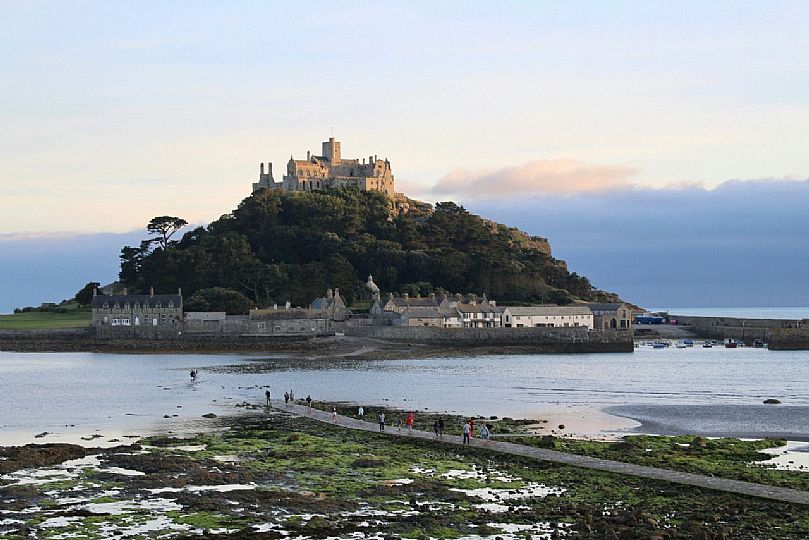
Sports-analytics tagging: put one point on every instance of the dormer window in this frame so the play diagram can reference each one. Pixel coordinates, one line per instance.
(171, 305)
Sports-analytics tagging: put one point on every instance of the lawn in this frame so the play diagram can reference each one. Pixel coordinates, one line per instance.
(44, 320)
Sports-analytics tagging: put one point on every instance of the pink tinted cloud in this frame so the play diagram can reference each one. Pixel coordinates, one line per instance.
(544, 176)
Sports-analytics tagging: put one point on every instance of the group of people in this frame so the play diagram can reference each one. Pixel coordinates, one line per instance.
(485, 431)
(289, 397)
(469, 431)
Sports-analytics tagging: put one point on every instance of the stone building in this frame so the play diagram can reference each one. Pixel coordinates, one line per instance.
(547, 317)
(330, 170)
(324, 315)
(615, 316)
(137, 315)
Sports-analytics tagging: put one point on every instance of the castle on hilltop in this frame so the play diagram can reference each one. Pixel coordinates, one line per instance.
(330, 170)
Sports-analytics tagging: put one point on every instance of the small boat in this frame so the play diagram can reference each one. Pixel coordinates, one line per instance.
(688, 342)
(681, 344)
(759, 343)
(730, 343)
(659, 345)
(707, 344)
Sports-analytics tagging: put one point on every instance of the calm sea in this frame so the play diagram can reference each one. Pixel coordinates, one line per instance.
(749, 313)
(696, 390)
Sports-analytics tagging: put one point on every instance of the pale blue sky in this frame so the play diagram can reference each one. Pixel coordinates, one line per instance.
(114, 112)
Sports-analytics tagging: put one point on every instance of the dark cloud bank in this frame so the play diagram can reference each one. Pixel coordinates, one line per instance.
(52, 267)
(743, 244)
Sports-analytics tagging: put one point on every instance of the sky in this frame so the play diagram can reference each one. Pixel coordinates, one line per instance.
(646, 123)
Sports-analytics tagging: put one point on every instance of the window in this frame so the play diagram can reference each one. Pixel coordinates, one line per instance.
(116, 321)
(125, 321)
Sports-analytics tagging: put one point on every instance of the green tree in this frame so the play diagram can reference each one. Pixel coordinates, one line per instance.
(220, 299)
(85, 296)
(164, 227)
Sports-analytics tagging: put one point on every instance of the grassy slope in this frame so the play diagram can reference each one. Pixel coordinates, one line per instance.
(44, 320)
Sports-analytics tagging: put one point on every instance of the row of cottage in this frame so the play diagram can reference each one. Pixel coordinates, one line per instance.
(160, 315)
(470, 312)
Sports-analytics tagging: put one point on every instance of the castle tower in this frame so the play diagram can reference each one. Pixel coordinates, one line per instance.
(331, 150)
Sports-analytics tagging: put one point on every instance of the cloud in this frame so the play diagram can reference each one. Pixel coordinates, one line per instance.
(743, 243)
(540, 177)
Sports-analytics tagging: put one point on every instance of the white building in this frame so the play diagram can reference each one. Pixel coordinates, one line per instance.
(547, 316)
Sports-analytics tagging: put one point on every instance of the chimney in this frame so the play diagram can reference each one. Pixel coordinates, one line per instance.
(180, 292)
(151, 292)
(125, 292)
(275, 306)
(336, 292)
(95, 292)
(329, 294)
(262, 169)
(405, 296)
(308, 155)
(288, 305)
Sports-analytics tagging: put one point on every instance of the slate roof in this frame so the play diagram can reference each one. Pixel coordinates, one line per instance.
(478, 308)
(604, 307)
(521, 311)
(149, 301)
(424, 313)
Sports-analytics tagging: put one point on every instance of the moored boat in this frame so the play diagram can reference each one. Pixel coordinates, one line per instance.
(730, 343)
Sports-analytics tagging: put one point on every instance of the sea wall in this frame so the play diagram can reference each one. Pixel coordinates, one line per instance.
(789, 339)
(506, 340)
(734, 322)
(85, 340)
(781, 334)
(568, 339)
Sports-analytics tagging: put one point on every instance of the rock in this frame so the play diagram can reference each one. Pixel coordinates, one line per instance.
(772, 401)
(209, 415)
(561, 426)
(698, 442)
(166, 416)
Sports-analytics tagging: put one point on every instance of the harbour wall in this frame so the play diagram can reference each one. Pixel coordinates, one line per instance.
(553, 339)
(506, 340)
(780, 334)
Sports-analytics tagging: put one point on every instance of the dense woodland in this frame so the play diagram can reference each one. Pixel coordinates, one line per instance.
(278, 246)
